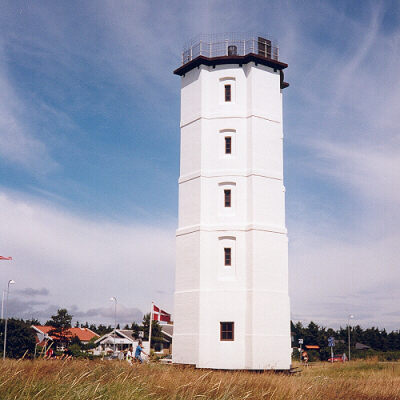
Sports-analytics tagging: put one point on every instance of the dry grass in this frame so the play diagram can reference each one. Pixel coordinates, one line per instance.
(115, 380)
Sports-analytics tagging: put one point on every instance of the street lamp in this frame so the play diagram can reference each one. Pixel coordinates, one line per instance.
(114, 299)
(2, 304)
(10, 282)
(2, 299)
(351, 316)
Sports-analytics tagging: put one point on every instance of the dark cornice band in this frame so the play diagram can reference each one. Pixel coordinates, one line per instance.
(251, 57)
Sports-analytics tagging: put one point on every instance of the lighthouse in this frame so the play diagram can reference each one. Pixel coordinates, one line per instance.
(231, 298)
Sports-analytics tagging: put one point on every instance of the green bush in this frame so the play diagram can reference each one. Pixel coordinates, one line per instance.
(21, 338)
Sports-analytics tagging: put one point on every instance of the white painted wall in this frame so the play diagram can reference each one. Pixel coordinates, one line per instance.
(253, 291)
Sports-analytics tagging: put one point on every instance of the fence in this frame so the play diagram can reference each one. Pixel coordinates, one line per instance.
(230, 45)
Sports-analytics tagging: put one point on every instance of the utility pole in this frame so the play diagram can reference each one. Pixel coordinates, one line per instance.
(114, 299)
(10, 282)
(151, 322)
(348, 332)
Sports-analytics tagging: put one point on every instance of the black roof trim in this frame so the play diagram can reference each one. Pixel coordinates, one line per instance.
(201, 60)
(229, 60)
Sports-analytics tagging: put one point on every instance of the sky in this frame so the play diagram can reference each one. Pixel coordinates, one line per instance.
(89, 153)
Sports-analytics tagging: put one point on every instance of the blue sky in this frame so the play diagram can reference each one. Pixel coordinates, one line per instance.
(89, 152)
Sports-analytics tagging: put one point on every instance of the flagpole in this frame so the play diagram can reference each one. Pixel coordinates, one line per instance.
(151, 321)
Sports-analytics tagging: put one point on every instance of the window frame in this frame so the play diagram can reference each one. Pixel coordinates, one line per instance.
(223, 332)
(228, 92)
(228, 256)
(227, 198)
(228, 144)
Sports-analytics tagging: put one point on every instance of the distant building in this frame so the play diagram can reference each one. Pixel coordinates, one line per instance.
(43, 336)
(124, 338)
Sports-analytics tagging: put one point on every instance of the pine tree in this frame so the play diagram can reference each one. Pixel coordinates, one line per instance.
(156, 335)
(61, 322)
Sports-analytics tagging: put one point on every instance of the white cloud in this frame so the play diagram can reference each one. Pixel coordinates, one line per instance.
(84, 262)
(32, 292)
(125, 315)
(369, 172)
(331, 277)
(17, 143)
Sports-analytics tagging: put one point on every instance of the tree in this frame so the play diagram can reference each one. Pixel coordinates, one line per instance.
(377, 339)
(61, 322)
(75, 340)
(156, 335)
(90, 345)
(21, 338)
(33, 321)
(102, 329)
(136, 329)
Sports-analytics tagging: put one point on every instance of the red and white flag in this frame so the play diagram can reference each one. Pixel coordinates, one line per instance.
(5, 258)
(160, 315)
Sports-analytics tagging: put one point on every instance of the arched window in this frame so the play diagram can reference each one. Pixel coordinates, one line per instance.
(227, 142)
(227, 257)
(226, 198)
(227, 90)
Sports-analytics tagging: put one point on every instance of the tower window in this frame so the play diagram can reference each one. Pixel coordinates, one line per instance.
(227, 331)
(228, 95)
(227, 197)
(228, 145)
(228, 256)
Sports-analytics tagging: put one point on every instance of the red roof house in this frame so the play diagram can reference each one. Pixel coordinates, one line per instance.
(85, 335)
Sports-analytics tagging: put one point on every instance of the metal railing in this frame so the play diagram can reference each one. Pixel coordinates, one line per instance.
(230, 44)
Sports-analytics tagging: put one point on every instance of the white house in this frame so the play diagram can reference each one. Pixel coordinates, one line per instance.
(123, 339)
(231, 292)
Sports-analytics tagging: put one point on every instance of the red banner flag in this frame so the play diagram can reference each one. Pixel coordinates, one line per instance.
(160, 315)
(5, 258)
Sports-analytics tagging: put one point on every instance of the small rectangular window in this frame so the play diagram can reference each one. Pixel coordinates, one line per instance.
(227, 92)
(227, 331)
(228, 256)
(227, 197)
(228, 145)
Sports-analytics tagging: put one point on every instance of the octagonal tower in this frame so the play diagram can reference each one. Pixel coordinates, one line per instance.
(231, 294)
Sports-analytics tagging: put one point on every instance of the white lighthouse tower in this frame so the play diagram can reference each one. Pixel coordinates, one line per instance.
(231, 296)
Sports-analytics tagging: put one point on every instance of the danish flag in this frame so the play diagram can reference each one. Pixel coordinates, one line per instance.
(160, 315)
(5, 258)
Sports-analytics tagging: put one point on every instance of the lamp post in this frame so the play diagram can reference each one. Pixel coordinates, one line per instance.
(2, 299)
(351, 316)
(114, 299)
(2, 304)
(10, 282)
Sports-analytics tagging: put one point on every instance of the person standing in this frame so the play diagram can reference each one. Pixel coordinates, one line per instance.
(305, 358)
(129, 355)
(138, 352)
(49, 354)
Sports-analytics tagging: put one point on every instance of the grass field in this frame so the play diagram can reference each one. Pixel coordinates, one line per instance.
(116, 380)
